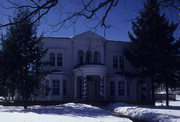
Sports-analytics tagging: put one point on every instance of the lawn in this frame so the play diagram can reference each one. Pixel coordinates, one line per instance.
(70, 112)
(148, 113)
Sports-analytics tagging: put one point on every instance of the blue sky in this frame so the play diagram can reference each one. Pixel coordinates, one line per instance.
(119, 18)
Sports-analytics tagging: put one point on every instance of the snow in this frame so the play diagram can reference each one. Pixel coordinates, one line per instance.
(178, 97)
(171, 103)
(148, 113)
(175, 103)
(70, 112)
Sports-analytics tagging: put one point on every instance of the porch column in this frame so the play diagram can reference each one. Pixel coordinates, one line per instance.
(101, 89)
(84, 90)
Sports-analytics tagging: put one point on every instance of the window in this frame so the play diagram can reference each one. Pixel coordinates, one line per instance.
(121, 88)
(47, 83)
(52, 59)
(55, 87)
(80, 89)
(127, 88)
(64, 88)
(112, 88)
(59, 59)
(47, 87)
(121, 62)
(115, 62)
(96, 57)
(88, 57)
(80, 57)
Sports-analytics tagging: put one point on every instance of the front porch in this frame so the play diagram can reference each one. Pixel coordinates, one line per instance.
(89, 83)
(90, 88)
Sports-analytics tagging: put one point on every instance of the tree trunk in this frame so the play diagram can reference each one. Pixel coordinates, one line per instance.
(153, 92)
(25, 102)
(167, 95)
(12, 96)
(24, 99)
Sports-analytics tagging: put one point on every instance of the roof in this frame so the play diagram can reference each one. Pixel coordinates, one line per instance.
(89, 36)
(58, 37)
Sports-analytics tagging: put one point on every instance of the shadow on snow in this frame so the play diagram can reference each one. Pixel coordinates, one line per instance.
(68, 109)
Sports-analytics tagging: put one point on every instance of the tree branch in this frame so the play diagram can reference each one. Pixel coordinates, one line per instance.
(42, 7)
(88, 13)
(49, 4)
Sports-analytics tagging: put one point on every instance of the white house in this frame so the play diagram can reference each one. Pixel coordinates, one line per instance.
(88, 67)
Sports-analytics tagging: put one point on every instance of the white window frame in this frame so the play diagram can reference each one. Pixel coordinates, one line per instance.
(55, 87)
(112, 88)
(59, 59)
(52, 59)
(115, 62)
(121, 88)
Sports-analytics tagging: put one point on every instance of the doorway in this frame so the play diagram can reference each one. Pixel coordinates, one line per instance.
(93, 88)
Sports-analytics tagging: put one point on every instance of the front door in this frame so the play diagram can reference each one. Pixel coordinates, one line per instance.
(92, 88)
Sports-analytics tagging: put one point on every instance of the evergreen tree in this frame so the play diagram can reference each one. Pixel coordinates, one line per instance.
(22, 55)
(7, 68)
(178, 60)
(1, 80)
(152, 52)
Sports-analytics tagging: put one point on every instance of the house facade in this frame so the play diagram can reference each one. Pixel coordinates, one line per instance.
(88, 67)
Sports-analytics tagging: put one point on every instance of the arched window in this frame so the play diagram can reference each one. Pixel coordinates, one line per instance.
(80, 57)
(88, 57)
(96, 57)
(115, 62)
(59, 59)
(52, 59)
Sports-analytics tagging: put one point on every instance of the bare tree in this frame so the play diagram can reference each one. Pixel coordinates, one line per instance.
(41, 7)
(88, 9)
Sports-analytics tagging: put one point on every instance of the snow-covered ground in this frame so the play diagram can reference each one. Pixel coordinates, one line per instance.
(148, 113)
(177, 97)
(171, 103)
(175, 103)
(70, 112)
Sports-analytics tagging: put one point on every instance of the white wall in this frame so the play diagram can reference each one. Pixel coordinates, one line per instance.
(69, 47)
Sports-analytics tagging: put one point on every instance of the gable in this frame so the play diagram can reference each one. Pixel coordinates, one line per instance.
(89, 36)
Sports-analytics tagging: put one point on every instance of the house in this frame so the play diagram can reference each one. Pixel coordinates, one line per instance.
(88, 67)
